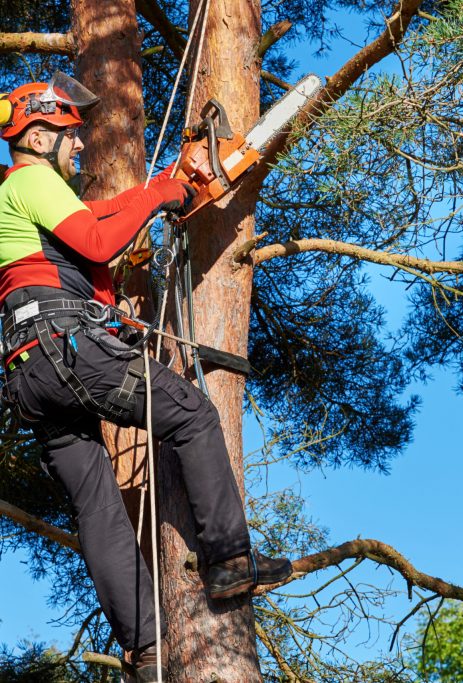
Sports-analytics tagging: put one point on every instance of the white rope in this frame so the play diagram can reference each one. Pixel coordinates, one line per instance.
(141, 511)
(196, 67)
(174, 92)
(154, 540)
(151, 472)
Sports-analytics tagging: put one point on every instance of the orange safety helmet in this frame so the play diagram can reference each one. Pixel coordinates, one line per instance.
(58, 102)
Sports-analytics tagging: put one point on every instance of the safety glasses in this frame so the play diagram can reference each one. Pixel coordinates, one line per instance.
(71, 133)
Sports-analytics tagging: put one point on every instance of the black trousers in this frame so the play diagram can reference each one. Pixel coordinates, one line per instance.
(180, 414)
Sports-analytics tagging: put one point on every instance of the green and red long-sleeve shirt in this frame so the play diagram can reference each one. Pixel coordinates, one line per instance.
(49, 237)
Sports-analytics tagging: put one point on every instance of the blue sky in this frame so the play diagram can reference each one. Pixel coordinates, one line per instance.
(415, 508)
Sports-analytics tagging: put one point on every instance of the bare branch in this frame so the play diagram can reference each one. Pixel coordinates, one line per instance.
(267, 76)
(275, 652)
(45, 43)
(40, 527)
(152, 12)
(377, 552)
(354, 251)
(108, 660)
(272, 35)
(337, 85)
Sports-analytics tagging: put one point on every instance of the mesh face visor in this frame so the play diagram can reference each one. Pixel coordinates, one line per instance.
(67, 90)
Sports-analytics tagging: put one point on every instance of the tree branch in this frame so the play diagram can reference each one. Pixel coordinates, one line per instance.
(276, 654)
(273, 35)
(108, 660)
(352, 250)
(45, 43)
(337, 85)
(30, 523)
(376, 551)
(150, 10)
(271, 78)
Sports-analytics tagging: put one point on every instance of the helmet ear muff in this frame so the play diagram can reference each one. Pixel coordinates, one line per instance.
(6, 110)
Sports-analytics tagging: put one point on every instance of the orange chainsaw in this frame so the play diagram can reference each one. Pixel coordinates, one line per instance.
(214, 159)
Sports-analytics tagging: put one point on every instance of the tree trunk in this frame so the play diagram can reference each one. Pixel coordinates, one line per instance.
(215, 641)
(207, 641)
(109, 63)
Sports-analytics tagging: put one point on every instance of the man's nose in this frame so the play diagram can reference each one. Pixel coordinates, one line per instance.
(78, 144)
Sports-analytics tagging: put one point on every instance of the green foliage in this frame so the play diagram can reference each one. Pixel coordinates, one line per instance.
(34, 664)
(437, 656)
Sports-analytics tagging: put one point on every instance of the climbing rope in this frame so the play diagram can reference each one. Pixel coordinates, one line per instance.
(177, 81)
(154, 540)
(160, 323)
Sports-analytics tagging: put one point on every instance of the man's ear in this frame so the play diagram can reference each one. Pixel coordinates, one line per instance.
(36, 140)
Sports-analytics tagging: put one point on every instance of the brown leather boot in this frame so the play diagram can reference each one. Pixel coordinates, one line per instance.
(144, 659)
(239, 574)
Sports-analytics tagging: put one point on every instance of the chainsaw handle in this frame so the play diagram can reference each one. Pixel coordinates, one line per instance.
(213, 150)
(223, 129)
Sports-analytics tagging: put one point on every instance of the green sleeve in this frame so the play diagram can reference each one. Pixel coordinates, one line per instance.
(44, 196)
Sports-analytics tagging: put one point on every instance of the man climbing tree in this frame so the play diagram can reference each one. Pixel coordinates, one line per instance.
(324, 368)
(53, 293)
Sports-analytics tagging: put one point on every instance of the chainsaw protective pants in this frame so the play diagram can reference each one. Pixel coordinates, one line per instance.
(180, 414)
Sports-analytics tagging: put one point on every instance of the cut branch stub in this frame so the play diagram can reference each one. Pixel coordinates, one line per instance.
(245, 249)
(43, 43)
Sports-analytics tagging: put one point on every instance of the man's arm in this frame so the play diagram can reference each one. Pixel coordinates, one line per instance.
(51, 204)
(108, 207)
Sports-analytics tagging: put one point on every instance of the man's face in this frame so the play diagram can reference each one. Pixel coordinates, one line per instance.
(43, 140)
(71, 146)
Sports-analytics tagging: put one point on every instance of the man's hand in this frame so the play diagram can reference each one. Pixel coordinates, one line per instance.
(164, 175)
(175, 194)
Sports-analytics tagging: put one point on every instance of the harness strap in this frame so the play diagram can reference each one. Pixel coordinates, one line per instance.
(52, 352)
(122, 397)
(23, 315)
(118, 403)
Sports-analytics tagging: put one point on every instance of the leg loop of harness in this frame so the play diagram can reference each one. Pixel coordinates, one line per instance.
(123, 398)
(118, 405)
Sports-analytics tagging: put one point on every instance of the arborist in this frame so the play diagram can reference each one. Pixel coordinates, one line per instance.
(64, 372)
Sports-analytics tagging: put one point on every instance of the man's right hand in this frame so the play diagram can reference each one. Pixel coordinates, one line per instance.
(175, 193)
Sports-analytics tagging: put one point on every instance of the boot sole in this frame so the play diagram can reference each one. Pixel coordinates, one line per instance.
(245, 585)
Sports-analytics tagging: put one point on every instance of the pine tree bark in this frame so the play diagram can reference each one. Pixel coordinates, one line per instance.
(215, 641)
(108, 62)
